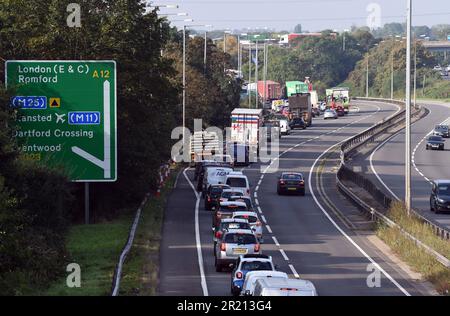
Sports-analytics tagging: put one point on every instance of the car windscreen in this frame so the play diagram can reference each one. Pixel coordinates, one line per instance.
(216, 190)
(237, 182)
(256, 266)
(251, 219)
(247, 202)
(228, 194)
(235, 225)
(435, 138)
(296, 177)
(233, 208)
(444, 189)
(241, 239)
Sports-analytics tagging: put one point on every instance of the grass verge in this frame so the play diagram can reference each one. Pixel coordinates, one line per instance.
(95, 248)
(416, 257)
(141, 269)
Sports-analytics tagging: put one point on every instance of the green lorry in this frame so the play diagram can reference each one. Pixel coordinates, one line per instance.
(296, 87)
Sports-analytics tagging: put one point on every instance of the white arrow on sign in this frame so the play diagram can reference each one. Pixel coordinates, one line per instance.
(105, 164)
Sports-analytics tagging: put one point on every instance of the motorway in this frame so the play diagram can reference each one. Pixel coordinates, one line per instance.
(386, 164)
(300, 233)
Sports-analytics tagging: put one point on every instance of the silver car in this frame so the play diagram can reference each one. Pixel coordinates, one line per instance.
(253, 220)
(233, 244)
(330, 113)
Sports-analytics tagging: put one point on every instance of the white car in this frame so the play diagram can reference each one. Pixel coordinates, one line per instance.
(238, 182)
(253, 220)
(330, 114)
(284, 287)
(253, 276)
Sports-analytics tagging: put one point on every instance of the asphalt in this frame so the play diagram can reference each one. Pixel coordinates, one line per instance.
(389, 163)
(300, 235)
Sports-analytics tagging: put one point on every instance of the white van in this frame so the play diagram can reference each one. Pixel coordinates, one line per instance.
(215, 175)
(251, 277)
(285, 129)
(238, 182)
(283, 287)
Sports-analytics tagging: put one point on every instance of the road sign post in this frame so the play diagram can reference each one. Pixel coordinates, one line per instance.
(67, 116)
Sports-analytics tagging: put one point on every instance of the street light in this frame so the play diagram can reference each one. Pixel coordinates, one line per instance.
(408, 109)
(184, 74)
(205, 48)
(343, 44)
(174, 14)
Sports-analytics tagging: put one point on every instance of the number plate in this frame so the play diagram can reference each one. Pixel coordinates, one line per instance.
(240, 251)
(292, 189)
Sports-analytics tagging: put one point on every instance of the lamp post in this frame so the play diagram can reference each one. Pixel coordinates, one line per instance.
(205, 48)
(343, 40)
(408, 110)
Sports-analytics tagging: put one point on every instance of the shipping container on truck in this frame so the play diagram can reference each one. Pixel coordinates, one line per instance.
(272, 90)
(245, 127)
(300, 106)
(295, 87)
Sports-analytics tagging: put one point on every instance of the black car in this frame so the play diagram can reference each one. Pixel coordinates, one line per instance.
(435, 142)
(212, 195)
(297, 122)
(440, 196)
(291, 182)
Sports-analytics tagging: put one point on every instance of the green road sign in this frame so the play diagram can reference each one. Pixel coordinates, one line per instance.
(67, 115)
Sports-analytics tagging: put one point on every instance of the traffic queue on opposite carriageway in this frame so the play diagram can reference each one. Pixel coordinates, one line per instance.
(238, 231)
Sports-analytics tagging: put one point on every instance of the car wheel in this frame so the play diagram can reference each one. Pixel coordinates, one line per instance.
(426, 147)
(431, 207)
(278, 192)
(302, 193)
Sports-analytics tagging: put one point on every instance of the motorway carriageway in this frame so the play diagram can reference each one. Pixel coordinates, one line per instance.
(299, 233)
(387, 163)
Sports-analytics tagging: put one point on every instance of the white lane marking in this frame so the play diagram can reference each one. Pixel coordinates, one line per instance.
(259, 210)
(264, 219)
(197, 238)
(284, 255)
(257, 188)
(341, 230)
(256, 202)
(269, 229)
(294, 272)
(275, 241)
(255, 195)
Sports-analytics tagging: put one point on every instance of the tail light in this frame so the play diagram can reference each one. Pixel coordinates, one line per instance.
(219, 235)
(281, 182)
(258, 223)
(239, 275)
(209, 199)
(248, 191)
(257, 247)
(221, 200)
(302, 182)
(223, 247)
(219, 215)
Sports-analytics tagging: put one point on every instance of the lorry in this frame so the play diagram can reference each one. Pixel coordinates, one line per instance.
(340, 96)
(203, 145)
(271, 91)
(295, 87)
(300, 106)
(245, 127)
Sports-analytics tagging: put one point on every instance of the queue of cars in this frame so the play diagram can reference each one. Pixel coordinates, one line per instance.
(238, 231)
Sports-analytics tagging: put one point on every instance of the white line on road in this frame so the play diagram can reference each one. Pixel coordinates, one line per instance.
(269, 229)
(341, 230)
(257, 202)
(197, 238)
(296, 275)
(264, 219)
(275, 241)
(284, 255)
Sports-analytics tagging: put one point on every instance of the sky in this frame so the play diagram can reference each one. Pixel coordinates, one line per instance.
(313, 15)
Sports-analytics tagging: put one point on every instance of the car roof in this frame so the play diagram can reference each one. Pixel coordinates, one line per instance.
(266, 273)
(234, 220)
(287, 283)
(231, 190)
(255, 256)
(296, 173)
(249, 213)
(237, 203)
(240, 197)
(442, 181)
(221, 185)
(240, 231)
